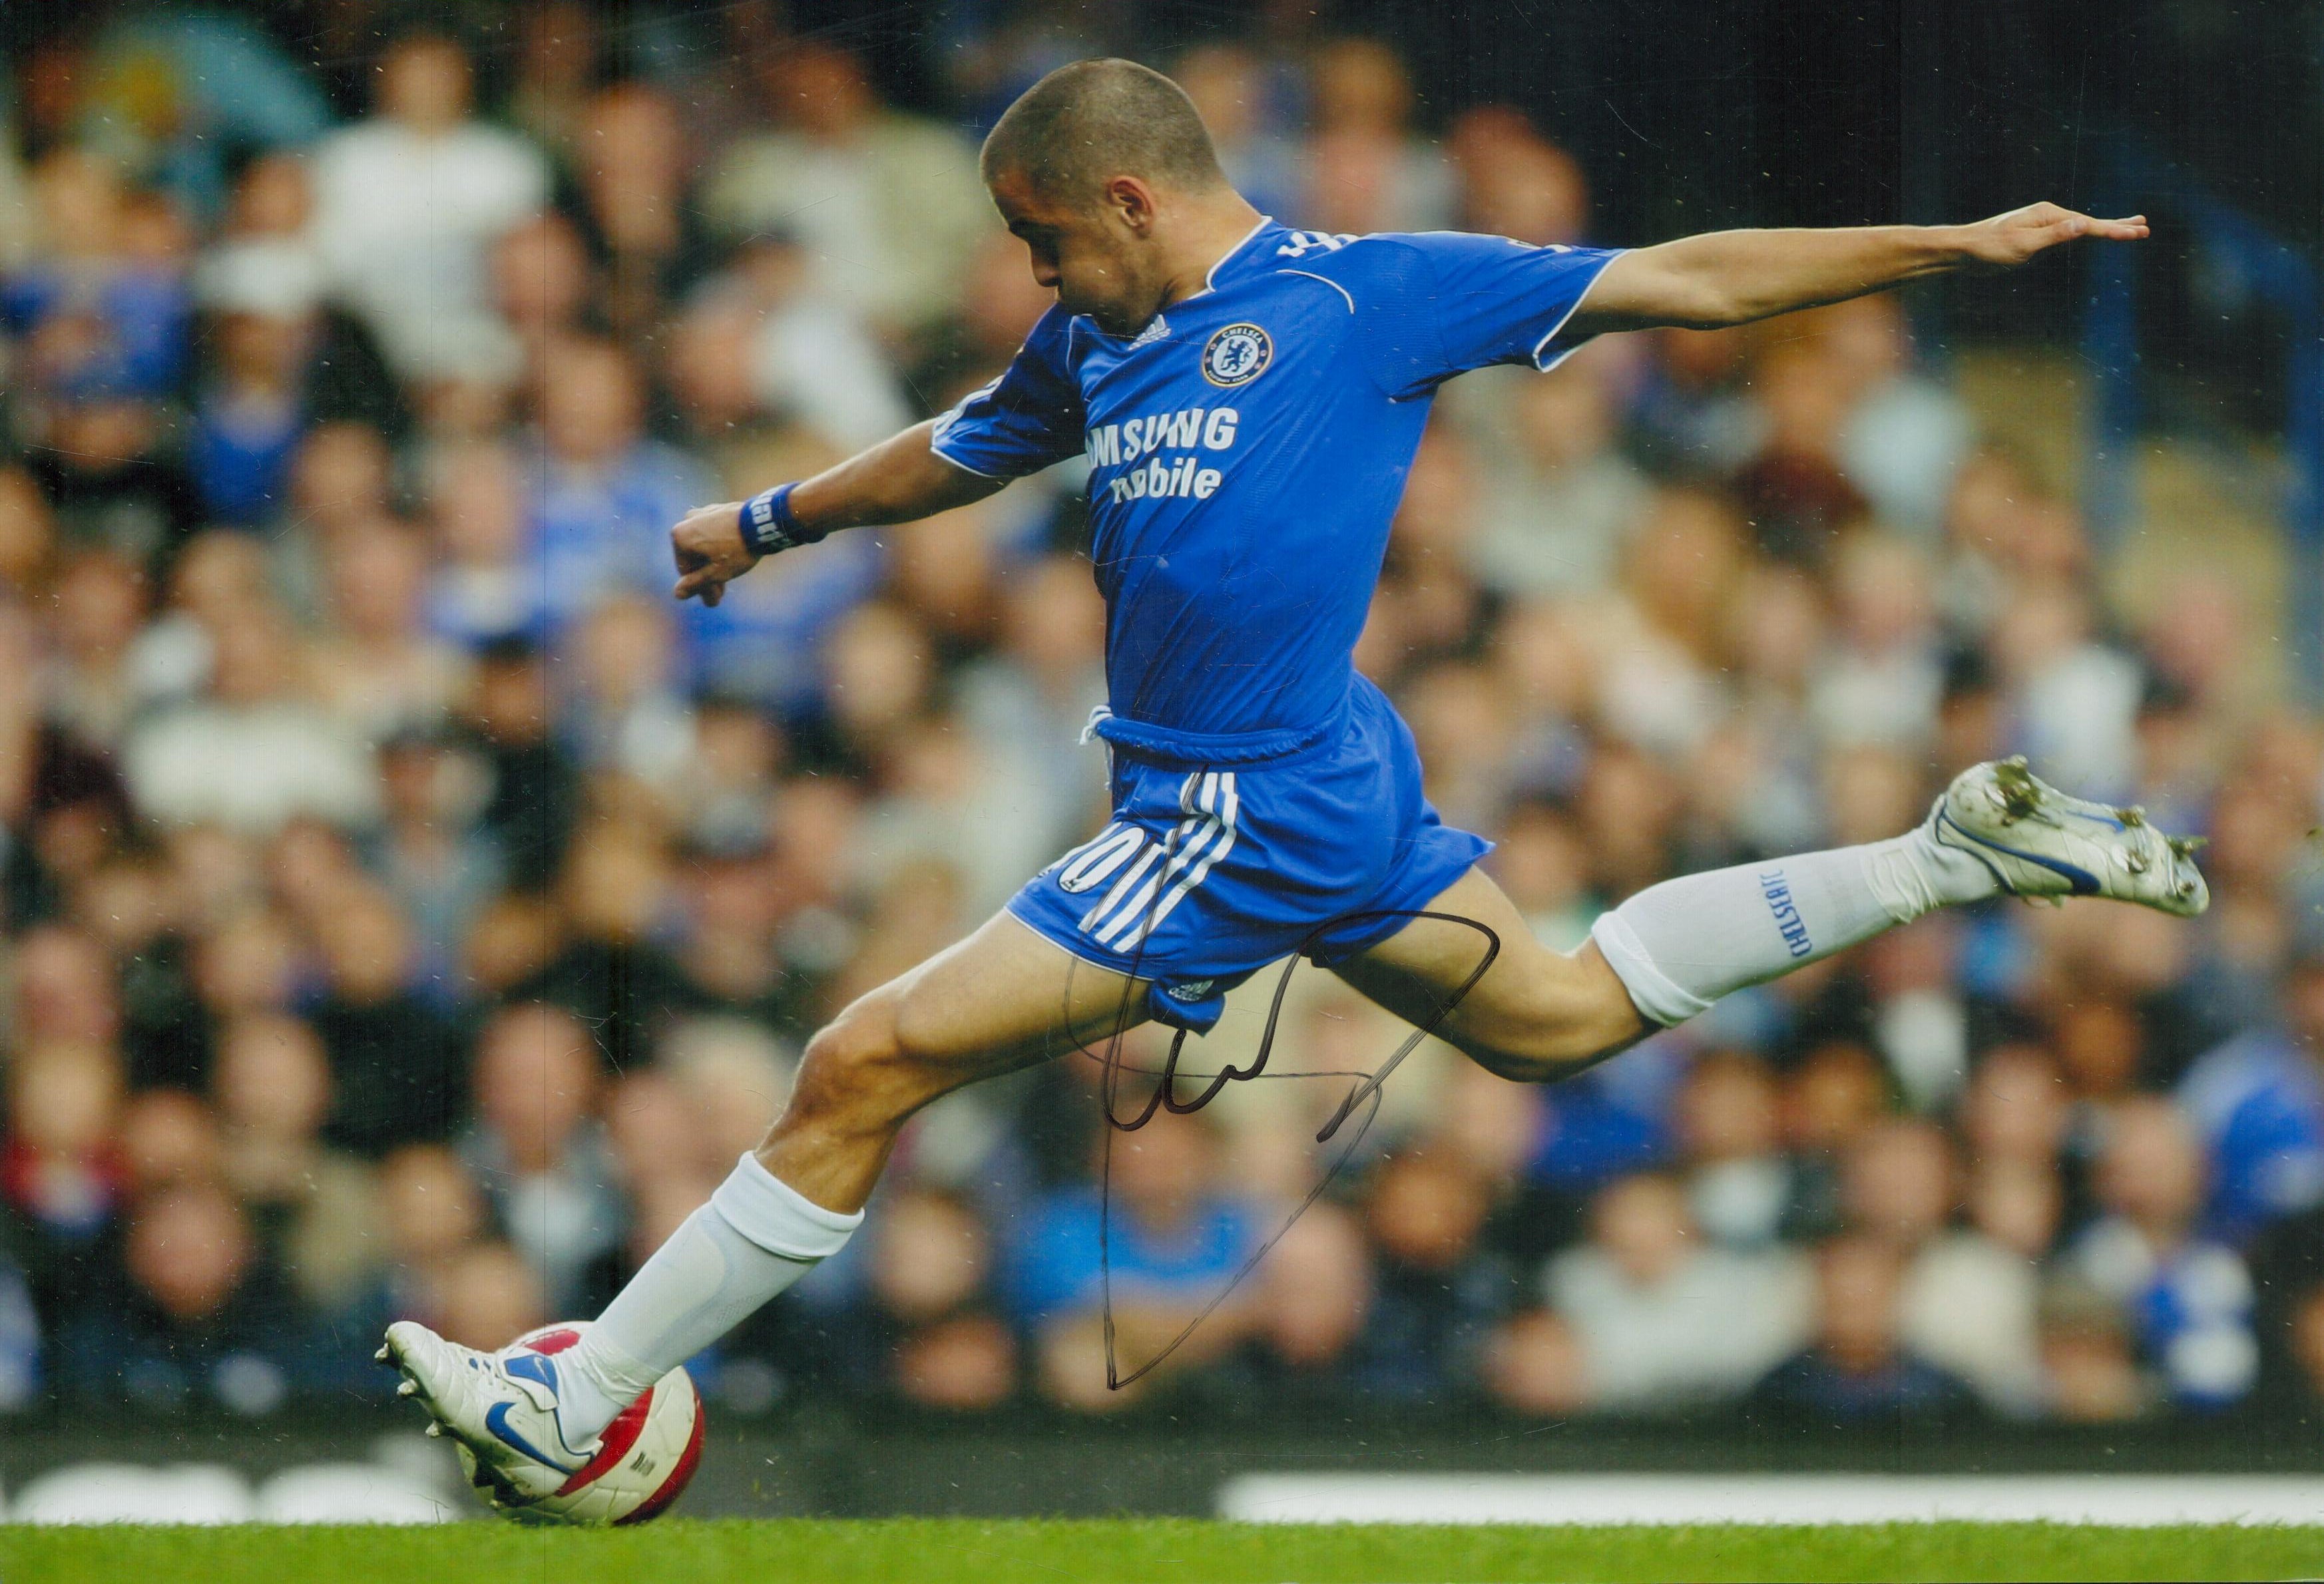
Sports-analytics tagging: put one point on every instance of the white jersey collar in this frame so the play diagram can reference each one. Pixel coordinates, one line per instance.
(1210, 282)
(1211, 276)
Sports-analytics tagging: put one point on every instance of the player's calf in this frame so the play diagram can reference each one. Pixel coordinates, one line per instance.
(1573, 1014)
(997, 1000)
(1527, 1014)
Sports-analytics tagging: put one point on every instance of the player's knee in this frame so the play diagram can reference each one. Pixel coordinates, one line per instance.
(852, 1064)
(921, 1029)
(885, 1048)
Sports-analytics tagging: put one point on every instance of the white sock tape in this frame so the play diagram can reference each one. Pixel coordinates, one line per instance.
(1652, 991)
(777, 1216)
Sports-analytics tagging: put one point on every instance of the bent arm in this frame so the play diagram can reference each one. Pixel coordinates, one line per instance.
(1733, 277)
(901, 479)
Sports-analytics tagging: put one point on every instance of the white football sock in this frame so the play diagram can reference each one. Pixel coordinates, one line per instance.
(1680, 946)
(756, 1237)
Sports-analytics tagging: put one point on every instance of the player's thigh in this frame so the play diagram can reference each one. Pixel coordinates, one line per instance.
(1003, 999)
(1532, 1014)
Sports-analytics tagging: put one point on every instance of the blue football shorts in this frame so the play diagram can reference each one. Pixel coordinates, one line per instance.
(1209, 872)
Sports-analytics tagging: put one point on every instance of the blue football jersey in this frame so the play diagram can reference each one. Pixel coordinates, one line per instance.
(1248, 449)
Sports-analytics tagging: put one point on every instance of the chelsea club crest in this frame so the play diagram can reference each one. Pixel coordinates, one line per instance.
(1237, 356)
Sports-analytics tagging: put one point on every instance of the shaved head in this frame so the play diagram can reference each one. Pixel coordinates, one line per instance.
(1104, 171)
(1087, 122)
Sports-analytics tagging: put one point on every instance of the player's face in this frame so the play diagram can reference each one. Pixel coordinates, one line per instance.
(1088, 255)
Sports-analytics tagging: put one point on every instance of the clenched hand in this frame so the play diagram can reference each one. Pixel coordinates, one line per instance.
(710, 551)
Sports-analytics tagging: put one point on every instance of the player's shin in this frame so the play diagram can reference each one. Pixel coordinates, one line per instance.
(1681, 945)
(753, 1239)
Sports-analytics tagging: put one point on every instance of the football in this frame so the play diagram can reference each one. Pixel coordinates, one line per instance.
(647, 1457)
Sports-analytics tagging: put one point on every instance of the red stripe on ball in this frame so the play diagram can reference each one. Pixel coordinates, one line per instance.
(620, 1436)
(670, 1488)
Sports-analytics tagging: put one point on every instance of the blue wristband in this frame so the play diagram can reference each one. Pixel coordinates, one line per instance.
(768, 524)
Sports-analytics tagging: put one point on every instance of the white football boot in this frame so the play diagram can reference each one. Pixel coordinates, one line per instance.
(501, 1407)
(2039, 842)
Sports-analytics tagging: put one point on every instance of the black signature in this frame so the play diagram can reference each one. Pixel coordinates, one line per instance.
(1365, 1093)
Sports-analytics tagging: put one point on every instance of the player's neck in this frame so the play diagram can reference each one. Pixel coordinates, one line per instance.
(1212, 228)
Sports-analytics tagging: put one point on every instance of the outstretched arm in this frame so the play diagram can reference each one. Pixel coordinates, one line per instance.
(896, 481)
(1733, 277)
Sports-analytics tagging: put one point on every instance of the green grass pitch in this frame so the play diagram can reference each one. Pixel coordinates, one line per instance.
(1144, 1551)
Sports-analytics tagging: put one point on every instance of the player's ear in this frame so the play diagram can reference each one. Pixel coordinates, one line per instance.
(1128, 198)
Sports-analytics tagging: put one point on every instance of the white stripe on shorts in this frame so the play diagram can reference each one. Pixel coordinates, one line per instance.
(1107, 917)
(1134, 911)
(1127, 886)
(1221, 802)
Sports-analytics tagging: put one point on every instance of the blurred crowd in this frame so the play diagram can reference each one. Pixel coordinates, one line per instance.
(409, 910)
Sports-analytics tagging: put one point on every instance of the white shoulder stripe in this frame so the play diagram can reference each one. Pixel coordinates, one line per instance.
(1334, 285)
